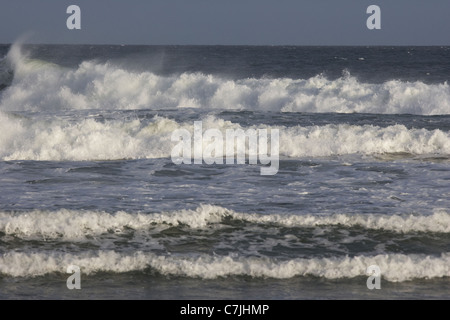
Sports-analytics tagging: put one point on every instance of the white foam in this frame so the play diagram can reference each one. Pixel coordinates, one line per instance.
(71, 224)
(58, 140)
(42, 86)
(350, 139)
(394, 267)
(439, 221)
(87, 139)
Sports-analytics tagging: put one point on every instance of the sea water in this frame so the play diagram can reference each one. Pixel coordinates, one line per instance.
(87, 179)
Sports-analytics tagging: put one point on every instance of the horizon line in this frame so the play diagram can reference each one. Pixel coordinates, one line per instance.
(233, 45)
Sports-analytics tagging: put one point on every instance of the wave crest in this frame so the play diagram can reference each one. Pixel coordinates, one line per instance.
(88, 139)
(39, 85)
(394, 268)
(70, 224)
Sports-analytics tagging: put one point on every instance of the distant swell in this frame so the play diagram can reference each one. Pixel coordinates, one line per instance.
(39, 85)
(88, 139)
(394, 268)
(70, 225)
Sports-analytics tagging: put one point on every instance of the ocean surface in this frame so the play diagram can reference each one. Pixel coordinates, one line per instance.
(87, 178)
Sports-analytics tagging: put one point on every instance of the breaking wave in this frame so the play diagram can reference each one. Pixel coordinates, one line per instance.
(71, 225)
(39, 85)
(88, 139)
(394, 267)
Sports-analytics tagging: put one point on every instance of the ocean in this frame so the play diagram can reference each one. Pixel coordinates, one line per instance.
(87, 177)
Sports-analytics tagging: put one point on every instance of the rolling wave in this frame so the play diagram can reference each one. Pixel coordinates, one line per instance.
(394, 267)
(88, 139)
(71, 225)
(40, 86)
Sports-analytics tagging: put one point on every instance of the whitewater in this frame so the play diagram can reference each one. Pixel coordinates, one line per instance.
(40, 85)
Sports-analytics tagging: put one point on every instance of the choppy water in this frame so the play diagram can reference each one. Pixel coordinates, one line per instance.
(86, 175)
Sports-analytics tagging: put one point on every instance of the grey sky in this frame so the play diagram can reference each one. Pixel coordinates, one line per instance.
(226, 22)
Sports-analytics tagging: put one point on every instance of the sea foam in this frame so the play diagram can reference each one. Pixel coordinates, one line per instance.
(88, 139)
(73, 224)
(394, 267)
(39, 85)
